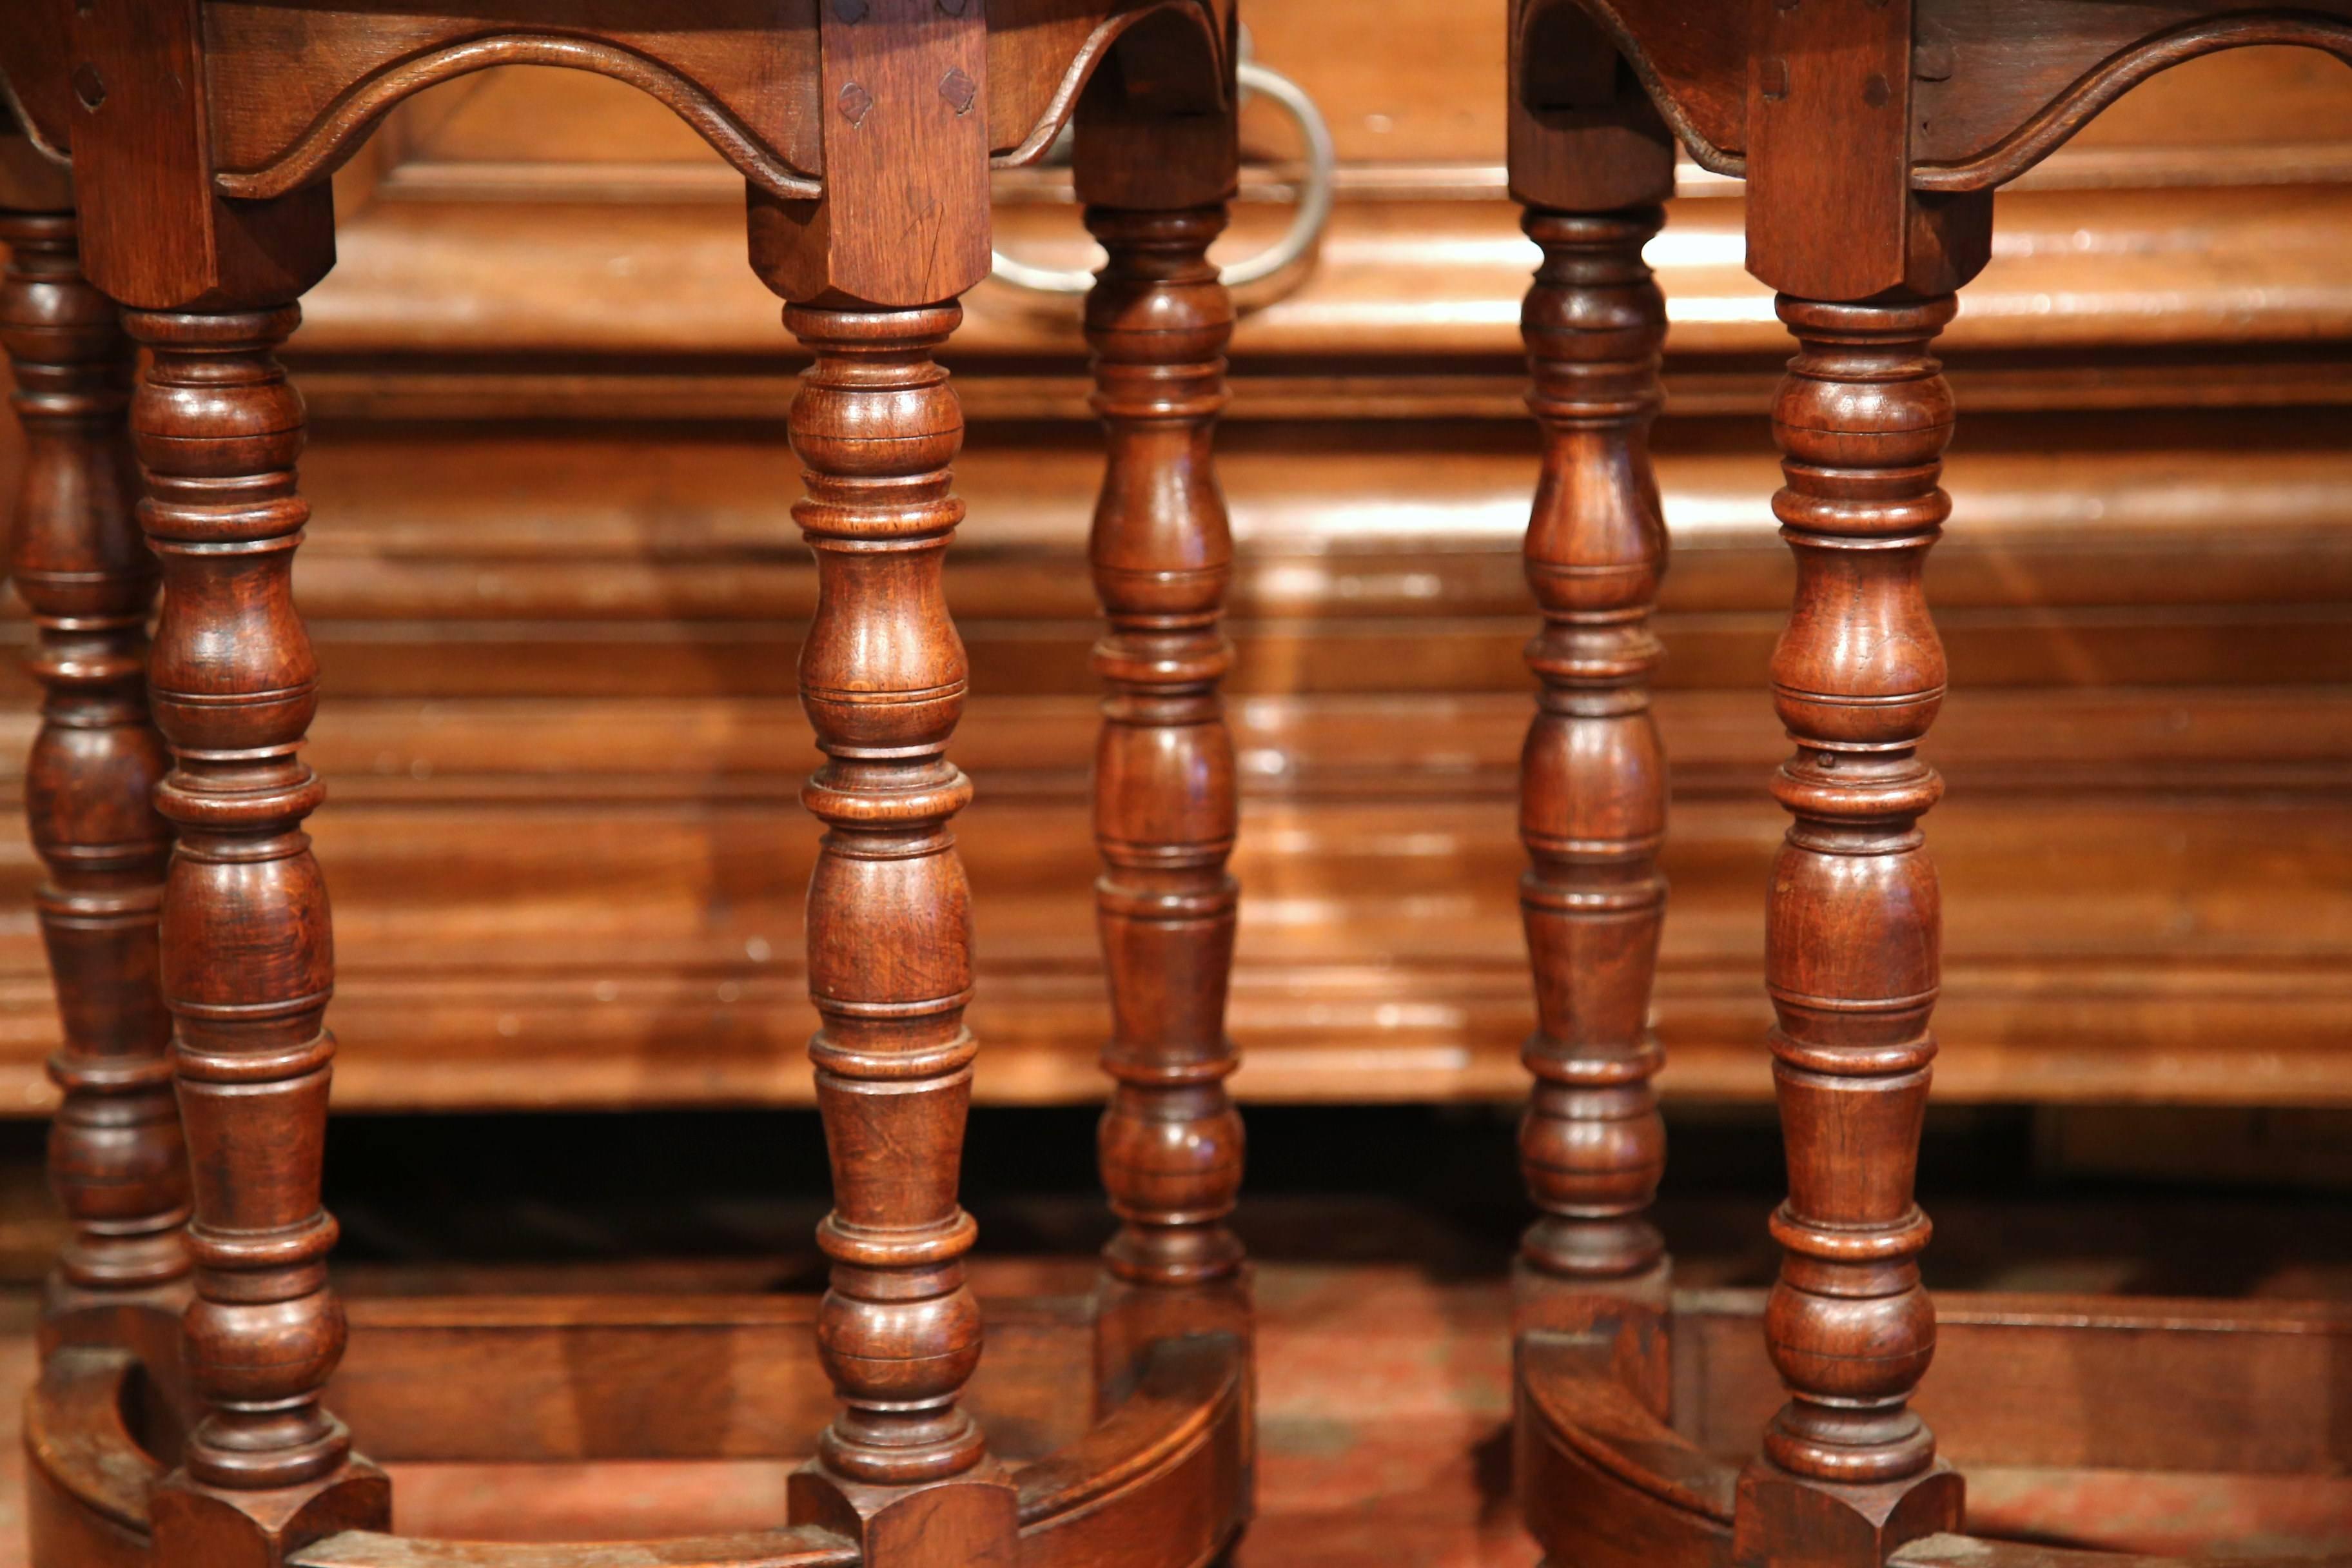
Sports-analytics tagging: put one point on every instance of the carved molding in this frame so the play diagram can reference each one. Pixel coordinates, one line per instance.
(330, 138)
(1606, 16)
(2049, 128)
(323, 145)
(40, 107)
(17, 123)
(1090, 58)
(1632, 26)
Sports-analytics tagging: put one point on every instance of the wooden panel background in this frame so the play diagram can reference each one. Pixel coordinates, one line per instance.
(558, 595)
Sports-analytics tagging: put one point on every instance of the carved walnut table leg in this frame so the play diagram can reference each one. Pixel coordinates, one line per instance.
(903, 1471)
(1867, 271)
(116, 1157)
(1868, 207)
(1853, 933)
(1165, 810)
(247, 955)
(1592, 162)
(1592, 805)
(890, 935)
(247, 958)
(1157, 174)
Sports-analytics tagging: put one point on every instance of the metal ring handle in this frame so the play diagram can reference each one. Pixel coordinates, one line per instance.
(1307, 225)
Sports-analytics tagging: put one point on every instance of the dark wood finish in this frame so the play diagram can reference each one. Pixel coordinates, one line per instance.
(116, 1158)
(1994, 98)
(2139, 743)
(903, 216)
(156, 233)
(742, 77)
(1829, 158)
(1591, 160)
(745, 78)
(1166, 810)
(733, 666)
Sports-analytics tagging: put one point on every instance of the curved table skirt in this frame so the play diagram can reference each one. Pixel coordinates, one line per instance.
(1163, 1460)
(2113, 1431)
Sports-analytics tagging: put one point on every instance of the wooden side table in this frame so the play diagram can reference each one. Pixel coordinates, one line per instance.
(1872, 134)
(180, 1419)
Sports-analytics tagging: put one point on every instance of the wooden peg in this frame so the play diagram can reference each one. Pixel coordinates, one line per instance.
(904, 220)
(1830, 212)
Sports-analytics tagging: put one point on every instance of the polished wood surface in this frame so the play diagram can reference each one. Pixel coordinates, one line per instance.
(251, 963)
(1383, 1382)
(1867, 245)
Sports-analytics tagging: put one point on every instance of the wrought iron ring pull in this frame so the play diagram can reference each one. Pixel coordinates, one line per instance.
(1306, 226)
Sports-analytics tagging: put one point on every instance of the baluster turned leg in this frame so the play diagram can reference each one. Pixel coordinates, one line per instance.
(1594, 165)
(1851, 938)
(1592, 803)
(116, 1157)
(1165, 811)
(247, 954)
(883, 676)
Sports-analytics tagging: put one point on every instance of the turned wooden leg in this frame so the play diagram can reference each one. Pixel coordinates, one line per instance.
(889, 938)
(116, 1158)
(1592, 781)
(1165, 810)
(247, 955)
(1594, 165)
(1849, 1472)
